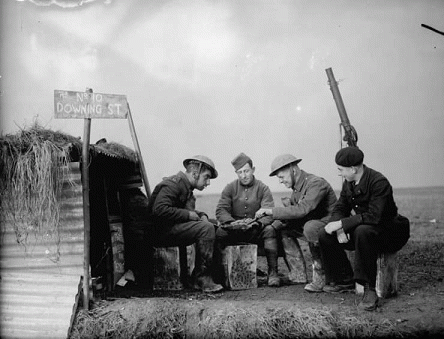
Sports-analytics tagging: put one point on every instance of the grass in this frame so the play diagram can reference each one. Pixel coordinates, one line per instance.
(169, 318)
(33, 167)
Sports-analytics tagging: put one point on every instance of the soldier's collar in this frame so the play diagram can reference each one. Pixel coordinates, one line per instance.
(300, 181)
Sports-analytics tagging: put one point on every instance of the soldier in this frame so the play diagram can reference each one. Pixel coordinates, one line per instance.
(303, 215)
(366, 220)
(235, 212)
(175, 221)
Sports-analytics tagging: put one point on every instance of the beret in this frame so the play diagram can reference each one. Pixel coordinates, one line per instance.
(349, 156)
(240, 161)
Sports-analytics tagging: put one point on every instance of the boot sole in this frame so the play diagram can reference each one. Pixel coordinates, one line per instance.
(370, 308)
(313, 291)
(213, 290)
(340, 289)
(297, 282)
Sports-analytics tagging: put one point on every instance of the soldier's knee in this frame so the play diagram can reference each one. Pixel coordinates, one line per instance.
(269, 232)
(206, 230)
(312, 230)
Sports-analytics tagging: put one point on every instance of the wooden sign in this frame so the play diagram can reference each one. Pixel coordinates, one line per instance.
(80, 105)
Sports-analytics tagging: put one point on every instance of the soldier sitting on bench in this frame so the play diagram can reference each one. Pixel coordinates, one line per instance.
(174, 222)
(236, 210)
(304, 215)
(366, 220)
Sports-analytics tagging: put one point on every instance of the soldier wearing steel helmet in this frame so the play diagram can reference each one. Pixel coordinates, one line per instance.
(303, 215)
(176, 222)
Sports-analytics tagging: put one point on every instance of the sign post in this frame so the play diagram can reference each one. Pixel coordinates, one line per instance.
(88, 105)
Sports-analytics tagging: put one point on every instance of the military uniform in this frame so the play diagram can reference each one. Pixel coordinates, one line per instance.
(311, 204)
(366, 220)
(241, 199)
(169, 207)
(170, 219)
(370, 216)
(239, 202)
(305, 215)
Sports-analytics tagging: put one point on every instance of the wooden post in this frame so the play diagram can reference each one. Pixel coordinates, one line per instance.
(86, 208)
(139, 154)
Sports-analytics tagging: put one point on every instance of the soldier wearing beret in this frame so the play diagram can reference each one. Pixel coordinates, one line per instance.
(174, 220)
(236, 210)
(303, 215)
(366, 220)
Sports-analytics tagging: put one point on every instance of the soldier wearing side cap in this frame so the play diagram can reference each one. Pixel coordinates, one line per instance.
(303, 215)
(366, 220)
(236, 210)
(176, 222)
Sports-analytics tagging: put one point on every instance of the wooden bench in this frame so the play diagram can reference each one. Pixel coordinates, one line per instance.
(172, 267)
(386, 277)
(240, 264)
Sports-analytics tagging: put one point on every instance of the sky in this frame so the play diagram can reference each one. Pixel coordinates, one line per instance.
(220, 77)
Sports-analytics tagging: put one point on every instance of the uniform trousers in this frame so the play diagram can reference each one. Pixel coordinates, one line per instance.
(253, 235)
(306, 230)
(366, 241)
(184, 234)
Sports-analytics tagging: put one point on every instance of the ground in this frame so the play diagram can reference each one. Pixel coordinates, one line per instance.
(417, 310)
(289, 311)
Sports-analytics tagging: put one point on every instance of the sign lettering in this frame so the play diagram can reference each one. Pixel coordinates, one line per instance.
(80, 105)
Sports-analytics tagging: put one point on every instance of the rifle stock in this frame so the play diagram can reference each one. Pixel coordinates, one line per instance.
(350, 135)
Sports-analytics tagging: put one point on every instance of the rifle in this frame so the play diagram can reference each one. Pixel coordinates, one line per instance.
(350, 135)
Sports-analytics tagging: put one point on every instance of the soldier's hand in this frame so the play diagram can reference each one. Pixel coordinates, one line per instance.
(333, 226)
(263, 212)
(193, 215)
(204, 218)
(286, 201)
(343, 237)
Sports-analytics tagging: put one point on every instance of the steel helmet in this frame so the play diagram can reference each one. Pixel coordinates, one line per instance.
(282, 161)
(207, 161)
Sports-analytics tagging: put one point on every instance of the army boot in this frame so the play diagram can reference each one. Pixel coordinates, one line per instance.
(318, 282)
(295, 261)
(203, 267)
(271, 252)
(370, 300)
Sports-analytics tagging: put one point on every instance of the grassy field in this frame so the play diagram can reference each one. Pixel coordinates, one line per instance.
(288, 311)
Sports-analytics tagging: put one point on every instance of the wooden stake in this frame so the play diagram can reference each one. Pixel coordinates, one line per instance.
(139, 154)
(86, 209)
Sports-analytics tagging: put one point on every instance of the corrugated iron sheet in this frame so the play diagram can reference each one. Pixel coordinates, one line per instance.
(38, 293)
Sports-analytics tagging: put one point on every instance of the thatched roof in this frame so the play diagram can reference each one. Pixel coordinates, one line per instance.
(33, 168)
(25, 139)
(114, 150)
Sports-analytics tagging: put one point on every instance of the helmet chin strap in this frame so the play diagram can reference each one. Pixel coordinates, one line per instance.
(292, 175)
(199, 168)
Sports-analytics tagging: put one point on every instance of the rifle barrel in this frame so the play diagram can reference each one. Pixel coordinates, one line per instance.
(337, 96)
